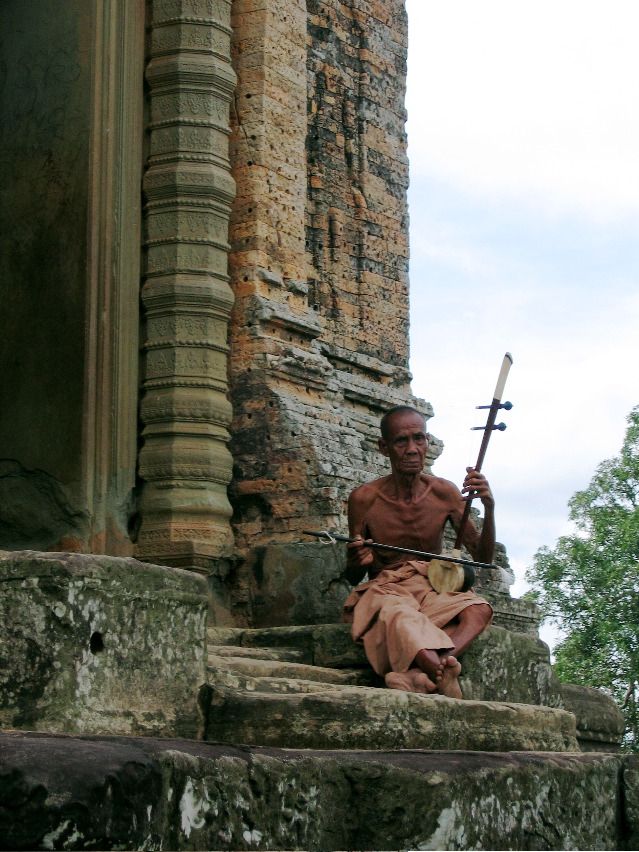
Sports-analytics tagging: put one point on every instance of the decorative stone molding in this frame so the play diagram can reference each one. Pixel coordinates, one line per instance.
(184, 462)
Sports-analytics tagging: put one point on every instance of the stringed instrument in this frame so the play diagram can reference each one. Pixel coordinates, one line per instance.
(448, 573)
(326, 537)
(452, 572)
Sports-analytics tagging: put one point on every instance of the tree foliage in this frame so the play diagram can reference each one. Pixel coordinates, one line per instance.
(588, 585)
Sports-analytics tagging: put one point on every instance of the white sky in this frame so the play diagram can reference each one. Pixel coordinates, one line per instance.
(524, 201)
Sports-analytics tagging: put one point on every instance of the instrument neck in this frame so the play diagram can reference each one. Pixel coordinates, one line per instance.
(488, 430)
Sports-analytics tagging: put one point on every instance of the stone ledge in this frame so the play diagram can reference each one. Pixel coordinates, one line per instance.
(61, 792)
(300, 583)
(100, 644)
(253, 667)
(600, 722)
(358, 717)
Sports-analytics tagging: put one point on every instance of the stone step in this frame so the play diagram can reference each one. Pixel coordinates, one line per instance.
(256, 667)
(224, 677)
(352, 717)
(311, 687)
(224, 635)
(186, 794)
(249, 669)
(289, 655)
(499, 666)
(328, 645)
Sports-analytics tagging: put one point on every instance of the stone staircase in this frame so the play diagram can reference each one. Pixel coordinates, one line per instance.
(297, 680)
(310, 687)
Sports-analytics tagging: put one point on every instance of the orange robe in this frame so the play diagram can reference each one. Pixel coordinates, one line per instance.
(398, 613)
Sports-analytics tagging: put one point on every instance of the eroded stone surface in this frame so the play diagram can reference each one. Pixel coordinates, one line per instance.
(600, 722)
(516, 614)
(371, 718)
(630, 799)
(95, 792)
(318, 261)
(504, 666)
(100, 644)
(252, 667)
(297, 583)
(500, 666)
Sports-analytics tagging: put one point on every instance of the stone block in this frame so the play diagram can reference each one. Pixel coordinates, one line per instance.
(100, 644)
(630, 786)
(258, 668)
(504, 666)
(67, 793)
(297, 584)
(61, 792)
(516, 614)
(368, 718)
(600, 722)
(333, 646)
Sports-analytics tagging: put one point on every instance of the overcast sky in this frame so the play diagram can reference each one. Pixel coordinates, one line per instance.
(524, 202)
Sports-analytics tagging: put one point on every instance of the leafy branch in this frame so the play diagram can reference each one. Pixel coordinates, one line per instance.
(588, 584)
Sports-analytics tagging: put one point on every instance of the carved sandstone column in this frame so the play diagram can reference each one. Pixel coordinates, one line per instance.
(184, 462)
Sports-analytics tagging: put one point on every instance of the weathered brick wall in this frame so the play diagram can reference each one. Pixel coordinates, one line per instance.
(319, 254)
(357, 228)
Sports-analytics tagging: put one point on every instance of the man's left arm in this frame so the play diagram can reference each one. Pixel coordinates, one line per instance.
(481, 546)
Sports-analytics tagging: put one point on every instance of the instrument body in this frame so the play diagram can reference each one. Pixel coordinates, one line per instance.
(446, 575)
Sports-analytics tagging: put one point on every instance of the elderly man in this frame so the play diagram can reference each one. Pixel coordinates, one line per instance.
(413, 635)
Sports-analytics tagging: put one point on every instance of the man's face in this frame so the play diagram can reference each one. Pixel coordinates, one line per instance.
(406, 444)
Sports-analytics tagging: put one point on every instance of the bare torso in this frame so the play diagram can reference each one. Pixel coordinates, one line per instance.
(377, 512)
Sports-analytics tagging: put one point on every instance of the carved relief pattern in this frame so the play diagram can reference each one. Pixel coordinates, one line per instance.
(184, 463)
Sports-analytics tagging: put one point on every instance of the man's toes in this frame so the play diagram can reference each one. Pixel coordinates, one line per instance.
(414, 680)
(422, 683)
(452, 667)
(448, 684)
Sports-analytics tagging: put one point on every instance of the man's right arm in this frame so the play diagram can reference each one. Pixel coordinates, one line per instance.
(359, 558)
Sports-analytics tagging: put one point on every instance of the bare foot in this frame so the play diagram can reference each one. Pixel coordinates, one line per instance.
(447, 683)
(430, 662)
(414, 680)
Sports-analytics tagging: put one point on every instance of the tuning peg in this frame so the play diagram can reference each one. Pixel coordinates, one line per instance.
(500, 426)
(506, 405)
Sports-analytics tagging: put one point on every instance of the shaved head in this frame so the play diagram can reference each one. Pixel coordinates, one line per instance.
(384, 425)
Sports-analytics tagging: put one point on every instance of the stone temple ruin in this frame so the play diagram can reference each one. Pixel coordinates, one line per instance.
(204, 313)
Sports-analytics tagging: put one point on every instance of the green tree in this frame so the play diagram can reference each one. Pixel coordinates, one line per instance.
(588, 585)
